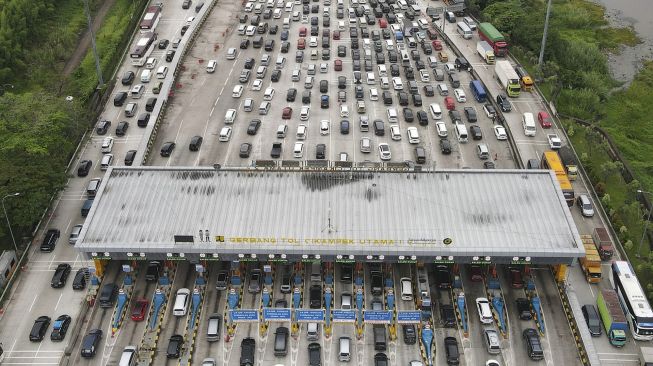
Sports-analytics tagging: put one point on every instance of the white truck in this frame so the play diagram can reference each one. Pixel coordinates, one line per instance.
(485, 51)
(508, 78)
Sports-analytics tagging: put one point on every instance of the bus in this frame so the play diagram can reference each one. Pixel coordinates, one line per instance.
(551, 160)
(143, 48)
(633, 300)
(151, 19)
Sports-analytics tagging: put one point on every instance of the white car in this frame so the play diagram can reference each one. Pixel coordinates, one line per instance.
(241, 29)
(484, 310)
(269, 94)
(424, 75)
(374, 94)
(441, 128)
(554, 141)
(397, 84)
(225, 134)
(298, 150)
(366, 144)
(257, 84)
(107, 145)
(312, 42)
(422, 23)
(384, 151)
(211, 65)
(304, 113)
(500, 132)
(460, 95)
(324, 127)
(250, 31)
(395, 133)
(413, 135)
(249, 7)
(238, 91)
(230, 116)
(324, 68)
(189, 20)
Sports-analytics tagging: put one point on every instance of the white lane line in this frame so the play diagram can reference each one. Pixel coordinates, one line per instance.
(58, 301)
(33, 302)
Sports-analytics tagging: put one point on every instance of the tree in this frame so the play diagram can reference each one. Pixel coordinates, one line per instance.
(608, 169)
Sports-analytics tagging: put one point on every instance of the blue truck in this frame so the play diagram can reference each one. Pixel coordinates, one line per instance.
(478, 90)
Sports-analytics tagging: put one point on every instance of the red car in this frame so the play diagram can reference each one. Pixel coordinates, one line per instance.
(337, 65)
(301, 44)
(449, 102)
(287, 113)
(383, 23)
(476, 273)
(139, 310)
(437, 45)
(516, 280)
(545, 120)
(336, 35)
(302, 32)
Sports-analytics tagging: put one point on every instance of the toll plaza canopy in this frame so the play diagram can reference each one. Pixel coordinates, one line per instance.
(501, 216)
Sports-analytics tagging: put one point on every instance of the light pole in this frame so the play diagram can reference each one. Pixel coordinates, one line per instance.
(3, 87)
(7, 216)
(648, 218)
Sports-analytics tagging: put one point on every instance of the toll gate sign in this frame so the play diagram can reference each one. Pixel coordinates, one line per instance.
(276, 314)
(409, 317)
(309, 316)
(243, 316)
(344, 316)
(377, 316)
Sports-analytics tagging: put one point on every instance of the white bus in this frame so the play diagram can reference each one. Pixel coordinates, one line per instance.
(143, 48)
(464, 30)
(633, 301)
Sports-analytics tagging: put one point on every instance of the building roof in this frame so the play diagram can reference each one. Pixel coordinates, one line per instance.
(482, 212)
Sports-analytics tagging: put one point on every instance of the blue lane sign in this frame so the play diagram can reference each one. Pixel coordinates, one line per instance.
(408, 317)
(344, 316)
(240, 316)
(377, 316)
(309, 316)
(276, 314)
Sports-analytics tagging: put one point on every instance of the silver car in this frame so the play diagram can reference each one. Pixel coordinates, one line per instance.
(585, 205)
(254, 281)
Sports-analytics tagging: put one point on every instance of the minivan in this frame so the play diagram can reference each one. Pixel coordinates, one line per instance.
(108, 295)
(312, 331)
(455, 80)
(528, 123)
(129, 356)
(86, 207)
(592, 319)
(379, 129)
(74, 234)
(380, 343)
(281, 342)
(436, 111)
(130, 109)
(533, 345)
(406, 289)
(181, 302)
(461, 132)
(281, 131)
(162, 72)
(344, 353)
(213, 328)
(491, 338)
(451, 350)
(93, 186)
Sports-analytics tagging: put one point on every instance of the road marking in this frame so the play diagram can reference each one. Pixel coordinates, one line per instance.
(58, 301)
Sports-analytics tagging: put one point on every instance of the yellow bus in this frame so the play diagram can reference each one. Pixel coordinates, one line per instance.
(551, 160)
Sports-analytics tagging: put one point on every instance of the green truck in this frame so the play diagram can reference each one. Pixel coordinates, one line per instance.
(613, 317)
(488, 33)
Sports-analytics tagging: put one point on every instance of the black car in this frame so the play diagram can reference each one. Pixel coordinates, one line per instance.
(249, 63)
(245, 150)
(346, 273)
(242, 18)
(342, 82)
(447, 312)
(455, 116)
(174, 346)
(102, 127)
(167, 148)
(314, 354)
(60, 328)
(326, 55)
(186, 4)
(315, 30)
(409, 116)
(184, 29)
(253, 127)
(60, 275)
(284, 35)
(244, 44)
(533, 345)
(324, 86)
(394, 70)
(476, 132)
(592, 319)
(470, 114)
(403, 98)
(344, 127)
(422, 118)
(128, 77)
(380, 359)
(410, 334)
(269, 45)
(274, 29)
(359, 93)
(445, 146)
(417, 100)
(84, 167)
(90, 343)
(248, 352)
(50, 240)
(429, 91)
(451, 350)
(39, 328)
(276, 75)
(149, 105)
(163, 44)
(79, 282)
(291, 95)
(488, 165)
(285, 46)
(170, 54)
(320, 151)
(195, 143)
(129, 157)
(504, 104)
(315, 297)
(119, 99)
(122, 127)
(342, 51)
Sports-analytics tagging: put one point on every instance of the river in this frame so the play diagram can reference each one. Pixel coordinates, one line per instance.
(639, 15)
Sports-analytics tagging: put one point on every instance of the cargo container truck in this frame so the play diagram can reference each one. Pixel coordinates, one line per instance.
(613, 317)
(591, 262)
(485, 51)
(603, 243)
(569, 161)
(507, 77)
(494, 38)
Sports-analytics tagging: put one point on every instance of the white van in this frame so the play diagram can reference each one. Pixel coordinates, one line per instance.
(181, 302)
(341, 25)
(230, 116)
(436, 111)
(150, 63)
(463, 30)
(281, 131)
(162, 72)
(344, 352)
(225, 134)
(413, 135)
(286, 23)
(212, 64)
(528, 122)
(261, 71)
(106, 162)
(281, 62)
(312, 331)
(461, 132)
(395, 133)
(289, 6)
(392, 115)
(129, 356)
(406, 289)
(344, 111)
(298, 150)
(269, 94)
(137, 91)
(231, 53)
(213, 328)
(264, 108)
(146, 75)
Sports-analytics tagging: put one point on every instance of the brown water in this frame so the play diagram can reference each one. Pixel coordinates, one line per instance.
(639, 15)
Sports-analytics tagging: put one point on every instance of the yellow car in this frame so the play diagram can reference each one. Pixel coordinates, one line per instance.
(442, 55)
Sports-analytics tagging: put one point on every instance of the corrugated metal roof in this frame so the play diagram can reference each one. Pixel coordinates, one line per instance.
(484, 212)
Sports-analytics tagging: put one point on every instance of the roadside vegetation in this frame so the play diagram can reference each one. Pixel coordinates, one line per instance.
(576, 77)
(39, 129)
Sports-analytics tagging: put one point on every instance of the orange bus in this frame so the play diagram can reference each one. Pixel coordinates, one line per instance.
(551, 160)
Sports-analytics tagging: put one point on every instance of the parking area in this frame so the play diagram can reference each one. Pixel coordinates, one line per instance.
(202, 107)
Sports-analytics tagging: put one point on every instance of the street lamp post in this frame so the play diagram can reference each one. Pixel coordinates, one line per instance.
(648, 218)
(7, 216)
